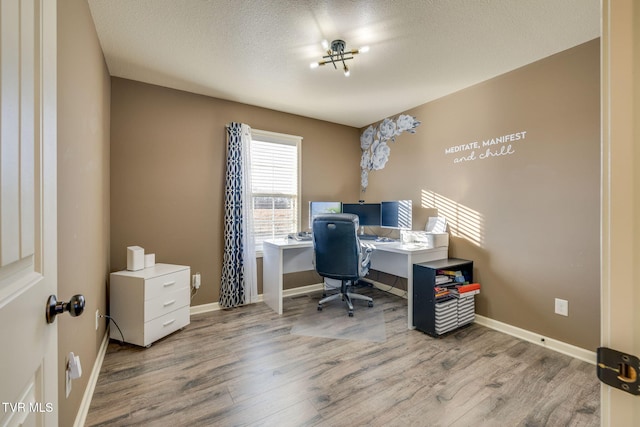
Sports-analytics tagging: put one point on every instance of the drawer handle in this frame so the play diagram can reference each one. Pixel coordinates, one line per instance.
(168, 303)
(167, 323)
(167, 284)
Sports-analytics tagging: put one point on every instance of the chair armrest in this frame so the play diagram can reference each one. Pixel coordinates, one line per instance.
(366, 249)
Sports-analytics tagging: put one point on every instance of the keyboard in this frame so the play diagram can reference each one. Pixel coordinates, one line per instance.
(367, 237)
(301, 236)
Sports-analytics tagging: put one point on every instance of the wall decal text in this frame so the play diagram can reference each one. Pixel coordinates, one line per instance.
(480, 150)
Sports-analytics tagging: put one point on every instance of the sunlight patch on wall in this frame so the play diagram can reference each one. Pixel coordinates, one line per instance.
(404, 214)
(463, 222)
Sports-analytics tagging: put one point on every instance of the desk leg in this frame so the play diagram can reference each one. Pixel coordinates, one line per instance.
(410, 294)
(272, 271)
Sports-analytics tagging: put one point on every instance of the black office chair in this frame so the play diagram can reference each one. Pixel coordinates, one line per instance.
(339, 254)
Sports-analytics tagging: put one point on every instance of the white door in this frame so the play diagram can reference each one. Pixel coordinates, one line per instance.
(620, 317)
(28, 257)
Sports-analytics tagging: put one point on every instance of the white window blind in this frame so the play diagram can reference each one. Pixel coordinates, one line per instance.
(275, 185)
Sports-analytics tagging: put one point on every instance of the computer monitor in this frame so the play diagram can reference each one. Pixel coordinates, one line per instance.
(319, 208)
(368, 213)
(396, 214)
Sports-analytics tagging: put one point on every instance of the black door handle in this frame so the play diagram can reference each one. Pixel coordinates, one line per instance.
(75, 307)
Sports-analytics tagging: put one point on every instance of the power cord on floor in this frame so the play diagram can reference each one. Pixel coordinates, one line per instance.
(391, 286)
(114, 322)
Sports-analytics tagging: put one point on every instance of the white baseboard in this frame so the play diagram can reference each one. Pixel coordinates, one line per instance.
(550, 343)
(204, 308)
(302, 290)
(81, 417)
(532, 337)
(214, 306)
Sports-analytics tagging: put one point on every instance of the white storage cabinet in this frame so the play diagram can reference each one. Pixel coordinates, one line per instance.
(149, 304)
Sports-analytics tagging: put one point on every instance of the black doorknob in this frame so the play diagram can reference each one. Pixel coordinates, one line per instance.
(75, 307)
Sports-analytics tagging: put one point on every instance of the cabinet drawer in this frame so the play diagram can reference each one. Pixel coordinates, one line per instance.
(166, 303)
(164, 325)
(167, 283)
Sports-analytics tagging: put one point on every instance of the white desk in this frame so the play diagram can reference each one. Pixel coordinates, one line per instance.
(281, 256)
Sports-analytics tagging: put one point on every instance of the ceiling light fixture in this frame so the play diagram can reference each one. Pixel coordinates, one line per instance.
(337, 55)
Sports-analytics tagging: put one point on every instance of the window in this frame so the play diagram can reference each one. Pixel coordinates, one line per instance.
(275, 184)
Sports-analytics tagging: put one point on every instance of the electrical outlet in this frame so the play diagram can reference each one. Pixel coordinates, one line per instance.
(562, 307)
(196, 281)
(97, 319)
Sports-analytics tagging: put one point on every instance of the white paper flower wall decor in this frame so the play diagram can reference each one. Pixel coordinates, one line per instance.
(374, 143)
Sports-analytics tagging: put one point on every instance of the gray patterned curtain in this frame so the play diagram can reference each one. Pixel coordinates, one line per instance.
(238, 285)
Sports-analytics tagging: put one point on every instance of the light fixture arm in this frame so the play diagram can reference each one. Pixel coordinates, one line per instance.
(330, 59)
(336, 53)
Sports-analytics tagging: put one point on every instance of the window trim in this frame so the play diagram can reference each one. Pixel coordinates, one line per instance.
(285, 139)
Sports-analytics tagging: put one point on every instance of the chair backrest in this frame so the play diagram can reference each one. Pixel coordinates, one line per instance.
(336, 246)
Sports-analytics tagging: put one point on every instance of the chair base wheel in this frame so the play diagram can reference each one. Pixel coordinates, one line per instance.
(346, 296)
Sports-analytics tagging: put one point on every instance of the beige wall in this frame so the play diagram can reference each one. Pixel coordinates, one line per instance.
(533, 216)
(167, 173)
(83, 193)
(529, 220)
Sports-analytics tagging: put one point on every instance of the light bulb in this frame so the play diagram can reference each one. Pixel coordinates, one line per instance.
(347, 72)
(314, 65)
(364, 49)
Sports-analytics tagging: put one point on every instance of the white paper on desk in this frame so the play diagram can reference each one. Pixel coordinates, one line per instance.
(436, 224)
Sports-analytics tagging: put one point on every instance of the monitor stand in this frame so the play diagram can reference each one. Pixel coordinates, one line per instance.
(363, 236)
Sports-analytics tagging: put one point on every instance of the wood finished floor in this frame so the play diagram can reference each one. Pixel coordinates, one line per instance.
(242, 367)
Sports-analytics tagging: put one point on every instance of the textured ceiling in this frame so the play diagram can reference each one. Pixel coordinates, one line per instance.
(258, 51)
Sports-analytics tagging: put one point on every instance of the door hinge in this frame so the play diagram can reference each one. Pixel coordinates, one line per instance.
(619, 370)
